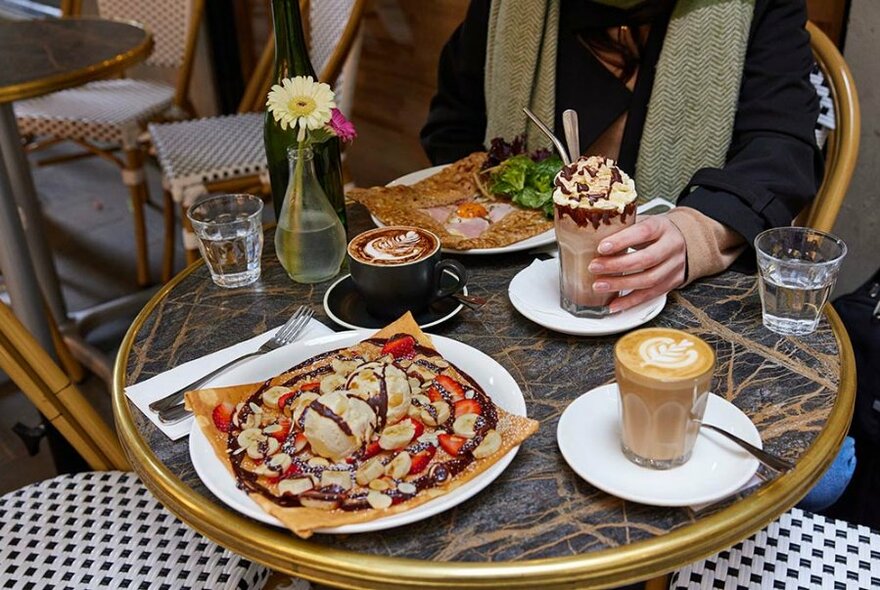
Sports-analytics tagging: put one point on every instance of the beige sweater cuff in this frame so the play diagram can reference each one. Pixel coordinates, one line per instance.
(711, 246)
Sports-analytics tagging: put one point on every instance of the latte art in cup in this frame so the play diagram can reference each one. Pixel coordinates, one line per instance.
(391, 246)
(664, 377)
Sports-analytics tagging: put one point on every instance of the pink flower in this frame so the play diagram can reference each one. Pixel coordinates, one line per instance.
(342, 127)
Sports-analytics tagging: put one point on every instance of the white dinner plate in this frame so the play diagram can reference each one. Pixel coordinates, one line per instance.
(589, 438)
(491, 376)
(534, 292)
(544, 239)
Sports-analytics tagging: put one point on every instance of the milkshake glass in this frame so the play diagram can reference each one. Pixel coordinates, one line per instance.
(593, 199)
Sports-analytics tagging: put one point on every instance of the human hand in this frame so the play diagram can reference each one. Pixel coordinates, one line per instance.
(657, 266)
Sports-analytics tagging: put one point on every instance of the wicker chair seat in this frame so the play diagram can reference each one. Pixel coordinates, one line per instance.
(799, 551)
(103, 529)
(111, 111)
(198, 152)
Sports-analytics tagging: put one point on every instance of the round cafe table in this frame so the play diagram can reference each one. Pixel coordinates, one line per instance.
(538, 525)
(38, 57)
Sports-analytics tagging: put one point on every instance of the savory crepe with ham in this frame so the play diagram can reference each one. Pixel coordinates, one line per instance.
(359, 433)
(450, 204)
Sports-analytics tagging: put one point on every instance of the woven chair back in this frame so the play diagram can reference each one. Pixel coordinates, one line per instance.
(55, 396)
(170, 22)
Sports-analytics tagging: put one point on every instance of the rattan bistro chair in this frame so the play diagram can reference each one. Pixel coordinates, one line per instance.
(226, 154)
(843, 141)
(799, 551)
(103, 528)
(107, 115)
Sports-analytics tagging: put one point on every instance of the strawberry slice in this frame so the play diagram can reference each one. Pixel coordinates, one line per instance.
(299, 442)
(281, 435)
(294, 469)
(222, 416)
(421, 459)
(400, 346)
(434, 394)
(420, 428)
(451, 386)
(467, 406)
(372, 449)
(286, 399)
(310, 386)
(451, 443)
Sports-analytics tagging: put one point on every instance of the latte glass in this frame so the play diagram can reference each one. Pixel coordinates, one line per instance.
(664, 376)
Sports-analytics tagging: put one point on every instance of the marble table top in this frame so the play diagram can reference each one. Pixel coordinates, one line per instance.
(538, 508)
(40, 56)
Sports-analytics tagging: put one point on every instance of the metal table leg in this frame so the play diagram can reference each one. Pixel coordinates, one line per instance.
(15, 258)
(17, 174)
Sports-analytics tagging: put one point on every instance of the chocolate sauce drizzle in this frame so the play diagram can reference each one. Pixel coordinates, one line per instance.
(595, 217)
(356, 499)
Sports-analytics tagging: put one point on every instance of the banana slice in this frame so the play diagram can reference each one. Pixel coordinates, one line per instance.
(441, 409)
(301, 403)
(281, 461)
(397, 436)
(490, 445)
(399, 466)
(378, 500)
(380, 485)
(331, 383)
(338, 478)
(273, 394)
(250, 436)
(296, 485)
(369, 471)
(272, 446)
(465, 424)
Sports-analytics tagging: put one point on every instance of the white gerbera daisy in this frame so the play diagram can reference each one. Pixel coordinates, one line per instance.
(302, 102)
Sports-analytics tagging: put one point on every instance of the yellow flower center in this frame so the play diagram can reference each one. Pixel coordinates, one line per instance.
(301, 106)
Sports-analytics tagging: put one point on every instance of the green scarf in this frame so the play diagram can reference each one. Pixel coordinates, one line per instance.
(693, 102)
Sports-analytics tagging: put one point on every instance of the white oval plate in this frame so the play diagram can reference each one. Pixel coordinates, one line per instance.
(589, 438)
(491, 376)
(534, 292)
(544, 239)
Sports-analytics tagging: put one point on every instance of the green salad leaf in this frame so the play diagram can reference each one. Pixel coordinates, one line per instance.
(526, 182)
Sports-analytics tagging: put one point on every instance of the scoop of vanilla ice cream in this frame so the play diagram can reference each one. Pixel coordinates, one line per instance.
(366, 382)
(594, 182)
(327, 438)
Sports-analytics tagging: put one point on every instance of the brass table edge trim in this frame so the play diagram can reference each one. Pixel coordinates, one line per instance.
(102, 69)
(283, 552)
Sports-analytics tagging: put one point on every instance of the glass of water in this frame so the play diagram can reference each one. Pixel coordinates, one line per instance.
(230, 234)
(798, 267)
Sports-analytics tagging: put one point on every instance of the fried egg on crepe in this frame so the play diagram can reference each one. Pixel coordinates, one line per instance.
(450, 205)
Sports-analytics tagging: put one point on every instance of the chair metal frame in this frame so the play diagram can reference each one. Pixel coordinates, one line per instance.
(843, 141)
(253, 100)
(56, 397)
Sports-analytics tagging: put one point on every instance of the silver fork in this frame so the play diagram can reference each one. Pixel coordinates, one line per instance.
(289, 332)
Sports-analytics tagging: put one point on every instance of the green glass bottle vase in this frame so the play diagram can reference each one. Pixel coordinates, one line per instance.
(292, 59)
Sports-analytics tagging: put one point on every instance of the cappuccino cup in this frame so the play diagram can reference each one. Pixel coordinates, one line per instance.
(397, 268)
(664, 376)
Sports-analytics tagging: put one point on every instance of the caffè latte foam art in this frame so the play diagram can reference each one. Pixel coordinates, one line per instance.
(666, 353)
(393, 245)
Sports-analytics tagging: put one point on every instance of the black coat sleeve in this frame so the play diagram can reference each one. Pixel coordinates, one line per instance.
(773, 167)
(457, 120)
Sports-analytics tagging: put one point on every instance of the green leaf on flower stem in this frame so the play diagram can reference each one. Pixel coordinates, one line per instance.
(319, 135)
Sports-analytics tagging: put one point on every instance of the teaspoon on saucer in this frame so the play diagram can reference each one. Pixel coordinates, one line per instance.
(768, 459)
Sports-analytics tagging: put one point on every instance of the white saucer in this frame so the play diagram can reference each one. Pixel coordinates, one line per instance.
(589, 438)
(534, 292)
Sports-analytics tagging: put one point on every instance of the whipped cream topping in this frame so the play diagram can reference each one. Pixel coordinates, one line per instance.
(594, 182)
(398, 247)
(665, 353)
